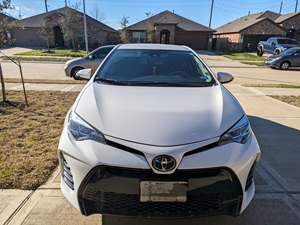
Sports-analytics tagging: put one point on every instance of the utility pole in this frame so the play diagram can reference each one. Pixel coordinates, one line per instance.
(46, 5)
(66, 3)
(85, 29)
(211, 12)
(280, 10)
(296, 7)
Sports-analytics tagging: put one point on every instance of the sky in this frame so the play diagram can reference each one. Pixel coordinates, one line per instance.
(111, 11)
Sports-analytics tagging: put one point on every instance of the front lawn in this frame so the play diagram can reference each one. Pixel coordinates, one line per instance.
(29, 137)
(292, 100)
(56, 52)
(242, 56)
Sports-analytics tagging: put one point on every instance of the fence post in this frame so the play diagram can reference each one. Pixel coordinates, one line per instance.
(2, 85)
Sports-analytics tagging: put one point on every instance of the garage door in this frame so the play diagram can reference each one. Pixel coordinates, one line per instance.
(250, 41)
(195, 40)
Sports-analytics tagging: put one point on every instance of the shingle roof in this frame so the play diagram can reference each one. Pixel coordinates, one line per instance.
(244, 22)
(9, 18)
(285, 17)
(167, 17)
(38, 20)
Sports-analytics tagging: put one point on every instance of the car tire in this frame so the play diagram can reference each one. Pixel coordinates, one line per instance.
(277, 52)
(75, 70)
(285, 65)
(260, 52)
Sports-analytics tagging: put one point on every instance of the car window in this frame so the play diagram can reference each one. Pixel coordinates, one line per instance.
(287, 41)
(155, 68)
(291, 51)
(102, 52)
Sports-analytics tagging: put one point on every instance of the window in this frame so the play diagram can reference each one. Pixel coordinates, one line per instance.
(139, 37)
(287, 41)
(155, 68)
(102, 52)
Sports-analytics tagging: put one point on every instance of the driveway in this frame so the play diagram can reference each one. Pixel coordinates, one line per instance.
(277, 200)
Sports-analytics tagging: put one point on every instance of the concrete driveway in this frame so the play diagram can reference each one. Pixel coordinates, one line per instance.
(277, 200)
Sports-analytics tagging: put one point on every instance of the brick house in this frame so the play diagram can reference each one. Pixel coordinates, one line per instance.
(170, 28)
(27, 32)
(291, 23)
(245, 32)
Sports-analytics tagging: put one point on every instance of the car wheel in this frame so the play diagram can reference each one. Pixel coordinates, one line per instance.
(277, 52)
(285, 65)
(75, 70)
(259, 52)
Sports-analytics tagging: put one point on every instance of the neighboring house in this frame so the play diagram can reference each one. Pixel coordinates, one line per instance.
(170, 28)
(27, 32)
(291, 23)
(6, 17)
(245, 32)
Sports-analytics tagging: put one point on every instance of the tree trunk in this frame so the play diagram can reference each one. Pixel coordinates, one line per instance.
(2, 85)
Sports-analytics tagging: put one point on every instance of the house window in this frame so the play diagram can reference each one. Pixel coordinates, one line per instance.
(139, 37)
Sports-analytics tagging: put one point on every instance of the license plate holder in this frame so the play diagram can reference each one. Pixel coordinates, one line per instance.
(163, 191)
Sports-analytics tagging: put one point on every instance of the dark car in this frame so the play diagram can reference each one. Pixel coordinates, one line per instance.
(290, 58)
(276, 45)
(91, 61)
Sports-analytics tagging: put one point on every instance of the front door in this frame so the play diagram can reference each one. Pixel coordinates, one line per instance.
(58, 37)
(165, 37)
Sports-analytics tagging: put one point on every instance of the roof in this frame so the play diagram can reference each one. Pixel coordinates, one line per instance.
(9, 18)
(154, 47)
(38, 20)
(285, 17)
(167, 17)
(245, 22)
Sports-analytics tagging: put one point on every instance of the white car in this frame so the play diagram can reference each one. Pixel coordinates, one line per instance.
(155, 134)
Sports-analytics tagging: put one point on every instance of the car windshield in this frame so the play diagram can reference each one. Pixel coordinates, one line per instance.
(287, 41)
(145, 67)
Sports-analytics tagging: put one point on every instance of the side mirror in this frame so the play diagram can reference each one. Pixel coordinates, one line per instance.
(224, 78)
(84, 74)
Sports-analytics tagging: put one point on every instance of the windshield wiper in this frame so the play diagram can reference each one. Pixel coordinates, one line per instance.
(114, 82)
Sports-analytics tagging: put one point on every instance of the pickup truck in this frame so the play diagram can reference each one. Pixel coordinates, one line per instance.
(276, 45)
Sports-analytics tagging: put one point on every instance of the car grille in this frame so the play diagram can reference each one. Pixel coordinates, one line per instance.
(111, 190)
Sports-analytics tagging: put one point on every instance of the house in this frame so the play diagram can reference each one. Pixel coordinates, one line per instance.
(27, 32)
(6, 17)
(170, 28)
(245, 32)
(291, 23)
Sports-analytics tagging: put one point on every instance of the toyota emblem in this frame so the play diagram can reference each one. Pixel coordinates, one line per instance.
(164, 163)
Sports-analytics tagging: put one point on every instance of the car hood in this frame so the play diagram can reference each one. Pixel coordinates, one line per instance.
(161, 116)
(76, 60)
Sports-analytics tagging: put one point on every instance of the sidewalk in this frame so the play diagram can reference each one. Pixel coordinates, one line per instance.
(277, 200)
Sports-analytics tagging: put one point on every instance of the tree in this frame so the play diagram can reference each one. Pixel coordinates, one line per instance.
(124, 23)
(97, 14)
(150, 28)
(46, 32)
(72, 25)
(5, 25)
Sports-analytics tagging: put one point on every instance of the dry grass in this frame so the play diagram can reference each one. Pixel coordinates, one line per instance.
(29, 137)
(44, 81)
(292, 100)
(273, 85)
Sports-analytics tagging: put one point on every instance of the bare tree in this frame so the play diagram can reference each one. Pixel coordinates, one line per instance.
(46, 31)
(124, 23)
(98, 14)
(5, 25)
(150, 32)
(72, 25)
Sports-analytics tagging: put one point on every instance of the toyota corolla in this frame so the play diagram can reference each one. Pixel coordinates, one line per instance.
(154, 133)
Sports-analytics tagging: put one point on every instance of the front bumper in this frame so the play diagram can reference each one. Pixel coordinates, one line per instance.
(106, 178)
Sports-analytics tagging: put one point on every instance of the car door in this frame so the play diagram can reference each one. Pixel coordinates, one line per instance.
(273, 45)
(295, 60)
(97, 56)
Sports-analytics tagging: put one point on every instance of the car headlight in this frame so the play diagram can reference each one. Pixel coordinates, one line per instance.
(81, 130)
(239, 133)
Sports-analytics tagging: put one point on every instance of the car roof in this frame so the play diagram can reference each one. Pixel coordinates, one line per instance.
(154, 47)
